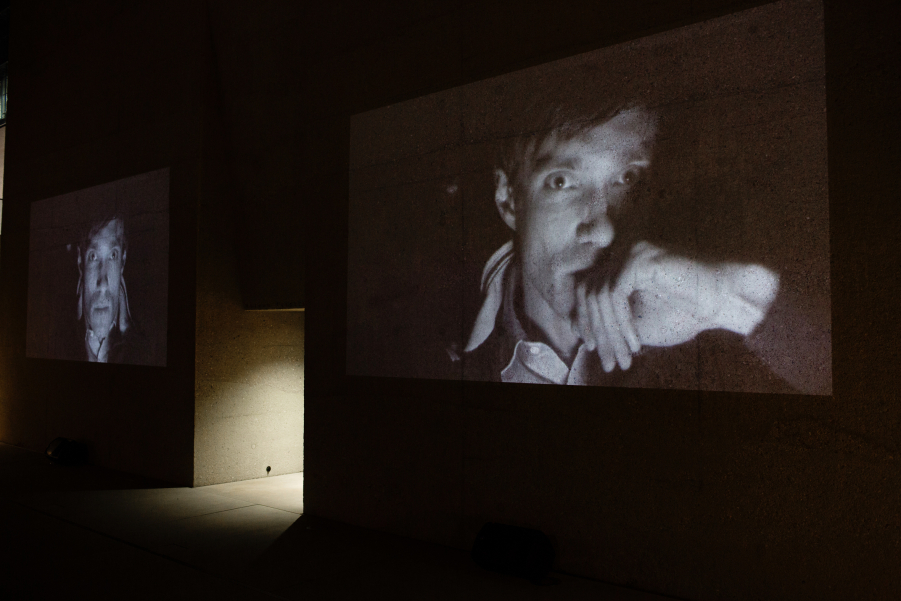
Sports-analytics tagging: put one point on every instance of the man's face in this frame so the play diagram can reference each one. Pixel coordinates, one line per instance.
(563, 210)
(104, 261)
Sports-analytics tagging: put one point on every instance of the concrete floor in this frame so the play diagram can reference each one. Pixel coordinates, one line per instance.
(86, 532)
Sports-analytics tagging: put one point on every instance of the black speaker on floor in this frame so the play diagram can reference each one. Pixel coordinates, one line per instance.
(513, 550)
(66, 451)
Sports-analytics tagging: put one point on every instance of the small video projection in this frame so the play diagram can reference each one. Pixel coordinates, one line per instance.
(653, 214)
(98, 273)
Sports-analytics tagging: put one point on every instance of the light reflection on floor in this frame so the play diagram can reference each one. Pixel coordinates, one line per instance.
(216, 528)
(86, 532)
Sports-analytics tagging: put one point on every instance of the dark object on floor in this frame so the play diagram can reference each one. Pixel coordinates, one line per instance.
(66, 451)
(522, 552)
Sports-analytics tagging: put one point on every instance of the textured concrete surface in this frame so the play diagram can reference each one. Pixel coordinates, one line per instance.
(278, 492)
(249, 367)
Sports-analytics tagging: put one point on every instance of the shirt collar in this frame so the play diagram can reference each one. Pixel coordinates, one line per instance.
(531, 362)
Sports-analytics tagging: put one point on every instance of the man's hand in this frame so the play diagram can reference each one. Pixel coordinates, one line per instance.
(673, 298)
(605, 324)
(662, 299)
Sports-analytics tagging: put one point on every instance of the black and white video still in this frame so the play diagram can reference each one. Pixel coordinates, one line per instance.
(652, 214)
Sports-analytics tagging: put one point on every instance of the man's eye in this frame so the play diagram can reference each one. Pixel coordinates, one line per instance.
(629, 177)
(559, 181)
(92, 256)
(114, 255)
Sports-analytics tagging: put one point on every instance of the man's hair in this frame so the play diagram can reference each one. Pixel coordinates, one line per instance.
(563, 104)
(558, 121)
(561, 111)
(125, 319)
(96, 225)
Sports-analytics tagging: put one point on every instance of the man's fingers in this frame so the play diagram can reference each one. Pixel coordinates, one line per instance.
(583, 326)
(624, 318)
(639, 271)
(646, 249)
(614, 335)
(604, 348)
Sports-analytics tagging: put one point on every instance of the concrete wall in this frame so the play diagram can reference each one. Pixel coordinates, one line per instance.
(110, 91)
(2, 159)
(248, 412)
(102, 94)
(697, 495)
(258, 55)
(249, 379)
(248, 391)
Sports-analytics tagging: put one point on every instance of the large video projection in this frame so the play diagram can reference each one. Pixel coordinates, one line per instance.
(653, 214)
(98, 273)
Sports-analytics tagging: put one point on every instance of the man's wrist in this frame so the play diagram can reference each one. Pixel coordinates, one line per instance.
(738, 315)
(746, 294)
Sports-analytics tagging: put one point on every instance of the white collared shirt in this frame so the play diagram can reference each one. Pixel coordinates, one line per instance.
(537, 363)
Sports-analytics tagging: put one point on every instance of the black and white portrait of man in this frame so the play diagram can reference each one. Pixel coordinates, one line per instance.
(112, 240)
(110, 331)
(560, 201)
(649, 215)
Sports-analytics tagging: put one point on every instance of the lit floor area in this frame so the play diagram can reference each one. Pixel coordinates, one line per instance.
(86, 532)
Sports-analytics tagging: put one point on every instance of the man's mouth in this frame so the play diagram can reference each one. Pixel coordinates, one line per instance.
(594, 265)
(585, 256)
(101, 302)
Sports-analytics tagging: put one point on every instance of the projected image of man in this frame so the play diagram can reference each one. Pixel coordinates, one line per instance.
(109, 335)
(560, 303)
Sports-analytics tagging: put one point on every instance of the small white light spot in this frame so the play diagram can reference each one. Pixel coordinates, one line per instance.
(534, 350)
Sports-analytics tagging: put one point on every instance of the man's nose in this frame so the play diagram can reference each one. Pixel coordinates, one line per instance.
(596, 227)
(102, 274)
